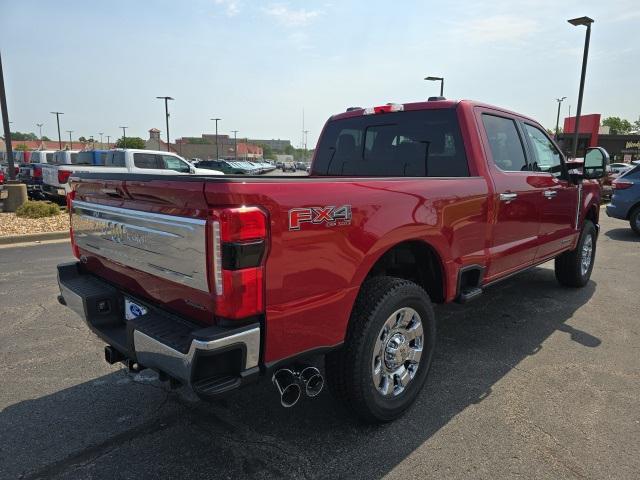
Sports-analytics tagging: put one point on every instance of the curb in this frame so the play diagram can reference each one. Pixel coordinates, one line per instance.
(34, 237)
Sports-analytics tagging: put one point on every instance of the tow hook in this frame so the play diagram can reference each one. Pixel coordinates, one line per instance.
(290, 382)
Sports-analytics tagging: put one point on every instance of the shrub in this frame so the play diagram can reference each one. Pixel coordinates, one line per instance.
(32, 209)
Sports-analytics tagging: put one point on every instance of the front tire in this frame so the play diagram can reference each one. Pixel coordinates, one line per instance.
(634, 220)
(573, 268)
(384, 362)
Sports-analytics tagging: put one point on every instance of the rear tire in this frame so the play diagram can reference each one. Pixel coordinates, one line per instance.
(634, 220)
(573, 268)
(388, 350)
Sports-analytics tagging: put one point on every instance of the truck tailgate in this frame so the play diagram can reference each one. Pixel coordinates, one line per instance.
(149, 238)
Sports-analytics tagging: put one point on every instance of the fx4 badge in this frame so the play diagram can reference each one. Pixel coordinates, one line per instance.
(330, 216)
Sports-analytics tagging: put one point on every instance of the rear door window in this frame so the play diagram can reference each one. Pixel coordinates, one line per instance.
(423, 143)
(49, 157)
(114, 159)
(148, 160)
(506, 146)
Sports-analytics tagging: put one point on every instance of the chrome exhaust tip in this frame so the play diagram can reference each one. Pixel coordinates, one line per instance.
(286, 382)
(312, 380)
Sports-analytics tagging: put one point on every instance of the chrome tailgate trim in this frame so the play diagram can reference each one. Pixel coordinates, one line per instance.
(167, 246)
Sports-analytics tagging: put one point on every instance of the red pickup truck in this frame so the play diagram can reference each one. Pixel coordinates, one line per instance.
(217, 281)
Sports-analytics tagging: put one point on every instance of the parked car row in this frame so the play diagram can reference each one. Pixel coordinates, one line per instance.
(236, 167)
(48, 177)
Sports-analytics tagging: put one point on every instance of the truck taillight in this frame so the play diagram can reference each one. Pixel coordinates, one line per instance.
(37, 172)
(239, 240)
(74, 247)
(621, 184)
(63, 176)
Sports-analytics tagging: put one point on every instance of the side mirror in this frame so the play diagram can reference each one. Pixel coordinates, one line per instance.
(595, 163)
(592, 167)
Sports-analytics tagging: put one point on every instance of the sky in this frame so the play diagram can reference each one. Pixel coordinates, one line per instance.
(258, 64)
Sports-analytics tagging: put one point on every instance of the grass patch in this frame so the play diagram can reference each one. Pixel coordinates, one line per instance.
(33, 209)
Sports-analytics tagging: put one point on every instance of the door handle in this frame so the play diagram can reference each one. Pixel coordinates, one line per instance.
(550, 194)
(507, 197)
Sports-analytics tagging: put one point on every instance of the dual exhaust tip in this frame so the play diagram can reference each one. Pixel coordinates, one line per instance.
(291, 382)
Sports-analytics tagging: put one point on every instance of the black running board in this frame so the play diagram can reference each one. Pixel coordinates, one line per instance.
(468, 294)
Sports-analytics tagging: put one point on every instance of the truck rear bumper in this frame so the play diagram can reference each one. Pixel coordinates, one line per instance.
(212, 360)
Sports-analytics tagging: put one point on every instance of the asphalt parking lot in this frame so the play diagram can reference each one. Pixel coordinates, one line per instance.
(531, 380)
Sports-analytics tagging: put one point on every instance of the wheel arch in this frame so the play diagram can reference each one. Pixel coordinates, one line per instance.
(412, 259)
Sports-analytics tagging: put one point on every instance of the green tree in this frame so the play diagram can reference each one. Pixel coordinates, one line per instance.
(267, 151)
(21, 147)
(23, 136)
(82, 139)
(289, 150)
(132, 142)
(617, 125)
(45, 138)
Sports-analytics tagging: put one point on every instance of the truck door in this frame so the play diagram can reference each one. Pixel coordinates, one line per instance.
(517, 196)
(560, 197)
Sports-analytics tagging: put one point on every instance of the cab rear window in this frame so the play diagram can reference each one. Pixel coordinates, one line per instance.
(83, 158)
(424, 143)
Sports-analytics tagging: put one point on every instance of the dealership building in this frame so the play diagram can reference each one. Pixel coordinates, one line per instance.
(621, 148)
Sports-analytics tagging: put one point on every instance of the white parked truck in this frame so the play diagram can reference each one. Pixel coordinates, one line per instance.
(66, 163)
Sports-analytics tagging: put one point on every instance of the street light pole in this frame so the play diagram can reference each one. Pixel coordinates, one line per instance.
(6, 126)
(108, 140)
(585, 21)
(437, 79)
(306, 133)
(235, 144)
(39, 125)
(216, 120)
(560, 100)
(124, 137)
(70, 141)
(166, 111)
(101, 144)
(57, 114)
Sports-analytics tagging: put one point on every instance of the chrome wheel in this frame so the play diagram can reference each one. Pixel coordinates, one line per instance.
(397, 352)
(586, 255)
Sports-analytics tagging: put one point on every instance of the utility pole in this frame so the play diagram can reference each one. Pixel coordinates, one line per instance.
(217, 152)
(5, 125)
(101, 144)
(560, 100)
(124, 137)
(235, 144)
(166, 111)
(70, 141)
(57, 114)
(108, 140)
